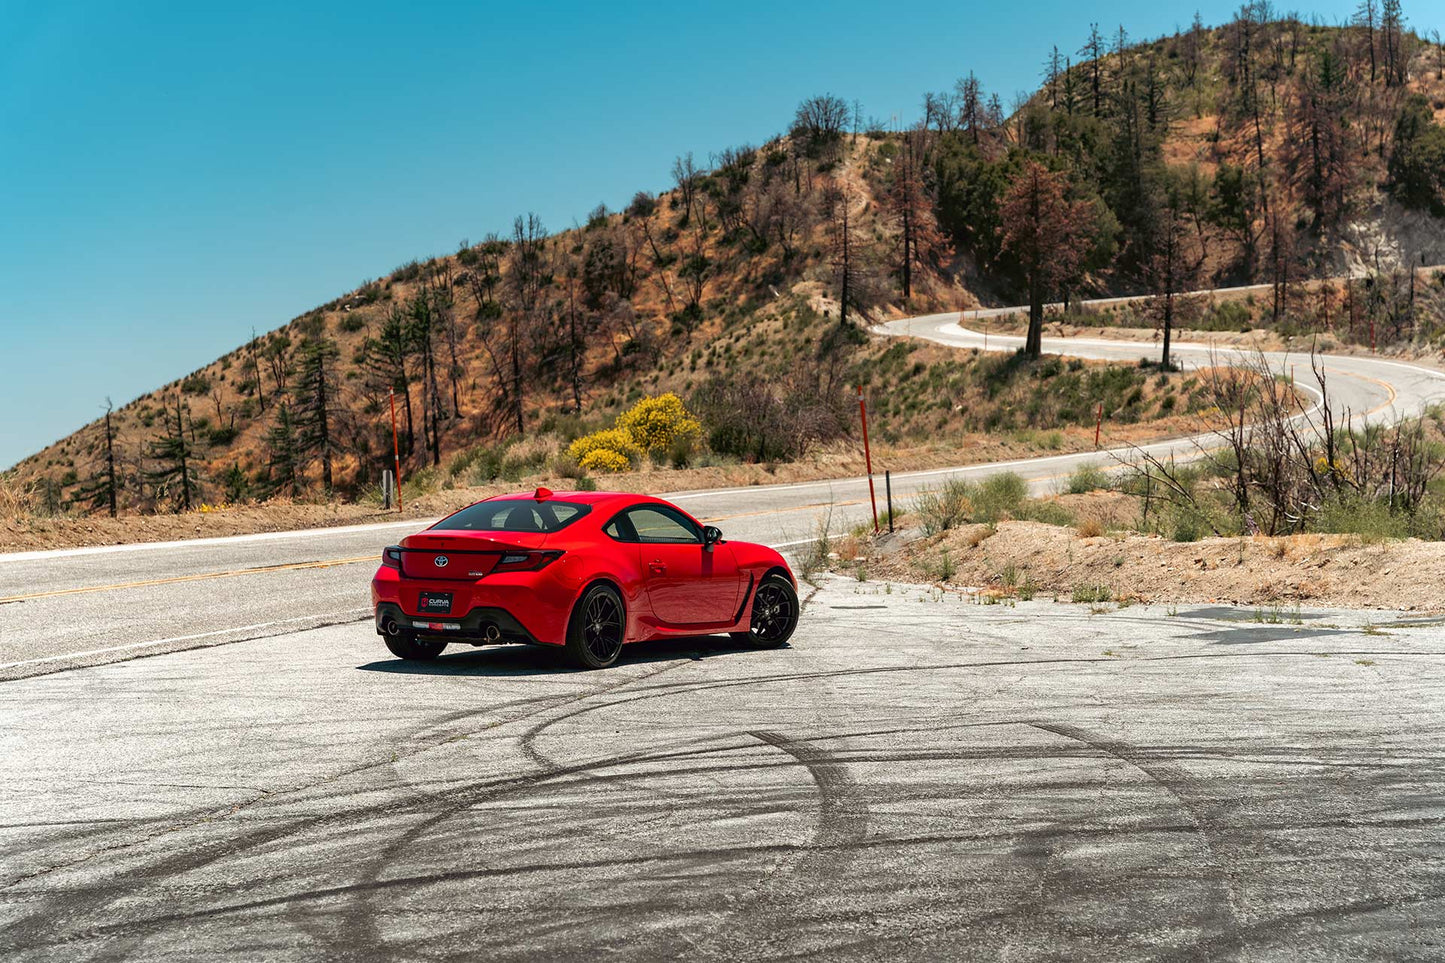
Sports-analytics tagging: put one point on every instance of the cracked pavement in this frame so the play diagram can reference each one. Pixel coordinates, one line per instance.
(916, 777)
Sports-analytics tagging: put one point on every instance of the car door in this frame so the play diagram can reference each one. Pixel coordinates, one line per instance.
(685, 583)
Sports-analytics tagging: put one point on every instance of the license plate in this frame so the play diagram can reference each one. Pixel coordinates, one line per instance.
(439, 603)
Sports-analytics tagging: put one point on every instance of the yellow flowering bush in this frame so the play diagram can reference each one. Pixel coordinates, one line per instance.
(611, 449)
(604, 460)
(661, 425)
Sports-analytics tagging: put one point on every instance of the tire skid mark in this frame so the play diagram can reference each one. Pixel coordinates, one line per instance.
(459, 799)
(842, 816)
(74, 905)
(1179, 786)
(688, 687)
(360, 918)
(840, 832)
(1022, 663)
(714, 854)
(1283, 926)
(190, 818)
(464, 796)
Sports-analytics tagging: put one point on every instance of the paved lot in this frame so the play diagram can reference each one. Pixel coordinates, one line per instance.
(915, 778)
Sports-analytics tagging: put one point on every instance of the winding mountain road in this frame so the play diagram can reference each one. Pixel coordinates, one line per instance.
(915, 777)
(65, 608)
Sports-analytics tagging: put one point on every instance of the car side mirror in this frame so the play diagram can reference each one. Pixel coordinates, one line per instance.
(711, 535)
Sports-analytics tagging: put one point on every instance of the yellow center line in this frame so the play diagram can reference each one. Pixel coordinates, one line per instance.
(289, 567)
(779, 511)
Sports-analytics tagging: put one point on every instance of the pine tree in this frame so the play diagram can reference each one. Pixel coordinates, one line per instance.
(1053, 74)
(101, 491)
(910, 207)
(846, 253)
(315, 396)
(235, 487)
(1368, 17)
(385, 360)
(1392, 38)
(256, 371)
(281, 470)
(1048, 235)
(1169, 270)
(970, 106)
(175, 454)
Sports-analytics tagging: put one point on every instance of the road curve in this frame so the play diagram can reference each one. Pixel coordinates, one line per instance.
(1373, 390)
(68, 608)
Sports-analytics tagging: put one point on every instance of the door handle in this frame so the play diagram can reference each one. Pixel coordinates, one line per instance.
(657, 567)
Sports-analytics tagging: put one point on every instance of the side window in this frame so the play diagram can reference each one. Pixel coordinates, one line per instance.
(658, 523)
(620, 528)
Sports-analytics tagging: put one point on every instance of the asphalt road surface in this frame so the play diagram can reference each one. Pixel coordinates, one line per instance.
(915, 778)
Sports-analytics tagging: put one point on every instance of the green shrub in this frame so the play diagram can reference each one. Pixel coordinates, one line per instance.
(1369, 518)
(1043, 510)
(1087, 478)
(938, 510)
(999, 496)
(1187, 523)
(482, 464)
(1092, 593)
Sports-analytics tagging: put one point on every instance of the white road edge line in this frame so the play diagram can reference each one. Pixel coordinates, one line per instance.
(416, 523)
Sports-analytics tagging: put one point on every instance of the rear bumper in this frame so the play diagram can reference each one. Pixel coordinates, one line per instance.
(524, 606)
(475, 628)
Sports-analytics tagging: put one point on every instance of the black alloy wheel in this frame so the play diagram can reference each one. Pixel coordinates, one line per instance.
(594, 637)
(775, 614)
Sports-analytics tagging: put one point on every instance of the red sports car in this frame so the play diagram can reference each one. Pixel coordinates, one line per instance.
(589, 571)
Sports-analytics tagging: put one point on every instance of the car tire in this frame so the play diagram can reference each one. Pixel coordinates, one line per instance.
(408, 646)
(773, 616)
(597, 628)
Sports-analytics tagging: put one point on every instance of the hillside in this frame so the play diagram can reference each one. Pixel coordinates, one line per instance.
(1262, 150)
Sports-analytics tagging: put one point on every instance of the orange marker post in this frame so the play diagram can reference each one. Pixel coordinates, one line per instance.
(1098, 425)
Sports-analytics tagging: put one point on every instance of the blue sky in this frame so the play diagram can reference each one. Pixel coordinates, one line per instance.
(177, 174)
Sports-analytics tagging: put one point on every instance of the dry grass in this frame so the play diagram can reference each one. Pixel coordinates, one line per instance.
(17, 498)
(976, 535)
(1091, 528)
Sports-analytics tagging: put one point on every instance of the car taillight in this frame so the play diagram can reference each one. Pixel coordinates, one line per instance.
(391, 557)
(525, 561)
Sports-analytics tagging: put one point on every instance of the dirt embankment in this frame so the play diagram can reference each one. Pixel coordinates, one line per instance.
(1016, 559)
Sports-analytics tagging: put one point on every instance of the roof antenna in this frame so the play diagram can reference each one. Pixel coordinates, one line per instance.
(542, 494)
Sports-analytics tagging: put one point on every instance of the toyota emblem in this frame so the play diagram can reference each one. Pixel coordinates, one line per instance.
(441, 561)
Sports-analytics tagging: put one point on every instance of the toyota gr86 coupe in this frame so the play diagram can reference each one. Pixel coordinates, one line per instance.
(587, 571)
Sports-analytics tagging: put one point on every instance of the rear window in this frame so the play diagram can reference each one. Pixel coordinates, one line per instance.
(513, 515)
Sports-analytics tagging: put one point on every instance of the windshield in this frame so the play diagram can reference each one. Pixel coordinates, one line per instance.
(513, 515)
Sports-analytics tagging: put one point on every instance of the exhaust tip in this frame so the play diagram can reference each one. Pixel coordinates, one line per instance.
(492, 633)
(391, 627)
